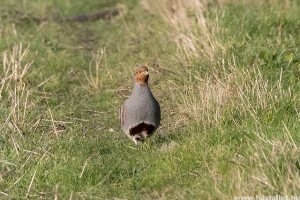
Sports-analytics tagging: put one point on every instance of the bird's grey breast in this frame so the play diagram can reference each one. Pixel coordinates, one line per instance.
(143, 106)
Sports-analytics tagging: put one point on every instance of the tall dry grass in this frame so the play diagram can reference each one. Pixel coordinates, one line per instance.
(13, 88)
(195, 35)
(193, 32)
(98, 72)
(21, 113)
(206, 99)
(210, 99)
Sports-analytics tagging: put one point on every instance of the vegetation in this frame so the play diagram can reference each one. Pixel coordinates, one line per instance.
(226, 74)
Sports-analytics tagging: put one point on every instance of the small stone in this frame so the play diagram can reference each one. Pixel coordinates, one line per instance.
(111, 130)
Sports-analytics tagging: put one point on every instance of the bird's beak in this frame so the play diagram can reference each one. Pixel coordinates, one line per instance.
(146, 73)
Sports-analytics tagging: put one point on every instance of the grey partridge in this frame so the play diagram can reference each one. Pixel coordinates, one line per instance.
(140, 113)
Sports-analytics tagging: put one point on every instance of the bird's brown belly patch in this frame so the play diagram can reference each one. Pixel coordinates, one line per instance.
(148, 128)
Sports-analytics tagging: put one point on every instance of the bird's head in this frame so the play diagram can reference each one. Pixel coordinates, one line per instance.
(141, 75)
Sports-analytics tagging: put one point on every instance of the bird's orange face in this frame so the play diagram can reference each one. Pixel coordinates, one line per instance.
(141, 75)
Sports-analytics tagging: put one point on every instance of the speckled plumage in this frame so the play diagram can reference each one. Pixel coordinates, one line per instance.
(140, 113)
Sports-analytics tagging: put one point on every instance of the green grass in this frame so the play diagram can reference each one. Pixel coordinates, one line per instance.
(231, 105)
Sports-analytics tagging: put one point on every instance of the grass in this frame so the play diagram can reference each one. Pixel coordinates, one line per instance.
(226, 74)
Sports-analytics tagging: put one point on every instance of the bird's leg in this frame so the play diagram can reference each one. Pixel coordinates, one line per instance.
(135, 140)
(138, 138)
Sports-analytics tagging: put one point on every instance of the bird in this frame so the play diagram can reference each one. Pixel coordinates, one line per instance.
(140, 113)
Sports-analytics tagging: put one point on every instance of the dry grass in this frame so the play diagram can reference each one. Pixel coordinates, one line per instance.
(191, 29)
(22, 116)
(202, 101)
(14, 87)
(206, 100)
(272, 166)
(13, 69)
(98, 72)
(195, 37)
